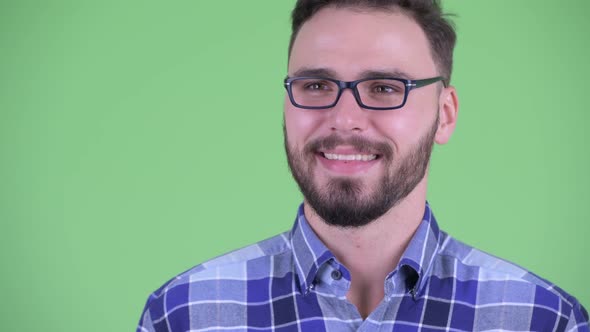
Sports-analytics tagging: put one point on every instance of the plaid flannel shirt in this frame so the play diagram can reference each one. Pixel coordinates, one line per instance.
(292, 282)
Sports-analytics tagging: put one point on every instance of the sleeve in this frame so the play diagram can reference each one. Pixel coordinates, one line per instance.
(578, 320)
(145, 321)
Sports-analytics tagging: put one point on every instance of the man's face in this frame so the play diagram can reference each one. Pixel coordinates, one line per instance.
(390, 149)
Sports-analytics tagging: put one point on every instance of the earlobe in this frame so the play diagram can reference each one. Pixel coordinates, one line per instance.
(447, 112)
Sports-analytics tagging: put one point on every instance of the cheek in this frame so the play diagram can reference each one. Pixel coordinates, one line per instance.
(399, 128)
(405, 129)
(300, 124)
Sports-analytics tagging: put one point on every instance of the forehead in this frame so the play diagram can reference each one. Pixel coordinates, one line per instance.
(350, 41)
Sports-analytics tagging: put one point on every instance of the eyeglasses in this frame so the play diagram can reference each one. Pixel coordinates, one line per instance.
(370, 93)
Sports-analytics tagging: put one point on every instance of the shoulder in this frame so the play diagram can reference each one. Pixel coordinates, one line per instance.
(480, 265)
(232, 265)
(223, 278)
(493, 284)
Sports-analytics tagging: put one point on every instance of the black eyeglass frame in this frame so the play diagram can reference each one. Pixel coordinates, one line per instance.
(409, 86)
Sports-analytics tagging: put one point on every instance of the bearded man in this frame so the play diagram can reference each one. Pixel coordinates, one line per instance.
(368, 93)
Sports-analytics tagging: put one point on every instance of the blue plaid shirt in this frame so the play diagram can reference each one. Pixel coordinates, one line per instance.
(292, 282)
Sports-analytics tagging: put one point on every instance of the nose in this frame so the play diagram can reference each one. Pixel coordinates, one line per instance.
(347, 115)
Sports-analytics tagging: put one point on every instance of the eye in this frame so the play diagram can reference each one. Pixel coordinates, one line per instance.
(317, 86)
(383, 89)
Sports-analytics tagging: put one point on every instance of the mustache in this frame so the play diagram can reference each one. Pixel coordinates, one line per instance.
(357, 142)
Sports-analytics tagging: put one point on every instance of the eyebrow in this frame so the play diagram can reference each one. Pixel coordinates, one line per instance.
(384, 74)
(329, 73)
(315, 72)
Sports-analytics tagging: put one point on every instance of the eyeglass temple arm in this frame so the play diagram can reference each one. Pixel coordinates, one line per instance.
(420, 83)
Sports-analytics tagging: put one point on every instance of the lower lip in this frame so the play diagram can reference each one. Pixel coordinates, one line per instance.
(348, 167)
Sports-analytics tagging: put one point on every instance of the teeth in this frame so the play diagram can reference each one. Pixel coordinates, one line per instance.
(350, 157)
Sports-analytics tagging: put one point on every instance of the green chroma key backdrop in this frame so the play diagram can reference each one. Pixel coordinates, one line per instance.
(140, 138)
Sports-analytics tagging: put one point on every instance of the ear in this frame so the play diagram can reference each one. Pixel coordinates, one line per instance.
(448, 107)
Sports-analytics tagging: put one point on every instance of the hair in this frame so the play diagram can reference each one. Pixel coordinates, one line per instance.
(437, 26)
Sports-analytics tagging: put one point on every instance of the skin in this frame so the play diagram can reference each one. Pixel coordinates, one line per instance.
(369, 41)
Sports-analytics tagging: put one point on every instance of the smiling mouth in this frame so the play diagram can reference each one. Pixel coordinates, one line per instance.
(349, 157)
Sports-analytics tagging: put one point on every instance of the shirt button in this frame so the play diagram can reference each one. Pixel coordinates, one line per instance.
(336, 274)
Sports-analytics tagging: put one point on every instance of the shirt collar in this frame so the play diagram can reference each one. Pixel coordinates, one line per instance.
(310, 253)
(418, 259)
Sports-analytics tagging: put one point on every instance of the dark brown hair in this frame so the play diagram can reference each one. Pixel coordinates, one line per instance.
(439, 29)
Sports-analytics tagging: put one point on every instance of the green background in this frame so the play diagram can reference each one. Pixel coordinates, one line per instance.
(138, 139)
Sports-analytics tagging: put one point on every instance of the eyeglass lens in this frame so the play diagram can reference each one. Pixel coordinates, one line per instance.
(317, 92)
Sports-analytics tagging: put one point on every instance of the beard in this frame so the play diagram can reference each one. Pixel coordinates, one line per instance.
(342, 201)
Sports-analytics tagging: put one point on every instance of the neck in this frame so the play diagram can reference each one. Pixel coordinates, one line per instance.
(371, 252)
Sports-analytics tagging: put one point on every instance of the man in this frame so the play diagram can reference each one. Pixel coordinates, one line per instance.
(368, 95)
